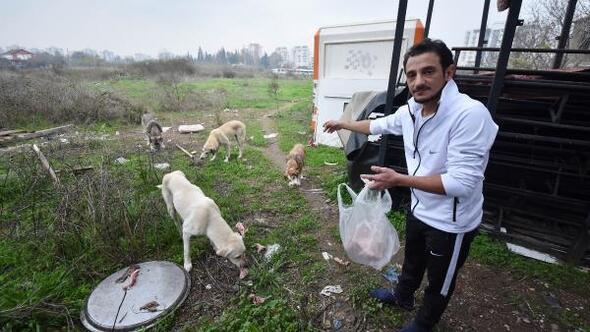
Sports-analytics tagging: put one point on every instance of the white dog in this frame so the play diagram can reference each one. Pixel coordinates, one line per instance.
(221, 136)
(201, 216)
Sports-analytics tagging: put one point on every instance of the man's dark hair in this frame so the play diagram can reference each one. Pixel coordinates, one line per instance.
(435, 46)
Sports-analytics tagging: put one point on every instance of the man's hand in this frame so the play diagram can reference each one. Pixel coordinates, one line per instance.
(386, 178)
(332, 125)
(383, 178)
(362, 126)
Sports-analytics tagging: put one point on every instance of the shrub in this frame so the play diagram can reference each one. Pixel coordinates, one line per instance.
(26, 98)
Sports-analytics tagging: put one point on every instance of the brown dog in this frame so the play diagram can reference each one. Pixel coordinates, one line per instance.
(295, 161)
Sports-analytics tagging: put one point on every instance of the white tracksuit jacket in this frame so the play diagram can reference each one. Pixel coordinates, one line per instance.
(455, 143)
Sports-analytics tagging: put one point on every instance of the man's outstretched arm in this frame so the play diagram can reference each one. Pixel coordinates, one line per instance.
(362, 126)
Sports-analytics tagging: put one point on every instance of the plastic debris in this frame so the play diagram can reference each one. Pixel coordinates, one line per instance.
(391, 274)
(541, 256)
(301, 132)
(150, 306)
(327, 256)
(272, 135)
(117, 133)
(183, 129)
(64, 140)
(121, 160)
(329, 290)
(552, 301)
(256, 299)
(341, 261)
(337, 324)
(271, 250)
(208, 286)
(162, 166)
(327, 163)
(165, 129)
(259, 248)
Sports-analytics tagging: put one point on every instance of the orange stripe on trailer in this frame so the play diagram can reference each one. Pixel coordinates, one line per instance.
(316, 54)
(419, 35)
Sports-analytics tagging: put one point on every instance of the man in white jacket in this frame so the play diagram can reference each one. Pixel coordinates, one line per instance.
(447, 138)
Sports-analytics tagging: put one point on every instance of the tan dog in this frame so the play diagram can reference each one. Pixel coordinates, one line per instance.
(153, 131)
(221, 136)
(201, 216)
(295, 161)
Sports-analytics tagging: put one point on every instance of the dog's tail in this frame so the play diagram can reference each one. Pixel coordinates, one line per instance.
(167, 195)
(241, 135)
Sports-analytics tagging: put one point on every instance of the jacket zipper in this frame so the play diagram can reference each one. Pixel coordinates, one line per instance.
(418, 134)
(416, 150)
(455, 202)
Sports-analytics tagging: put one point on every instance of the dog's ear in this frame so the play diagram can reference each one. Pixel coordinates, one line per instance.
(159, 186)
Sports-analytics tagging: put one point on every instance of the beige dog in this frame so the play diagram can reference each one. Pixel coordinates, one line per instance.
(221, 136)
(201, 216)
(153, 131)
(295, 161)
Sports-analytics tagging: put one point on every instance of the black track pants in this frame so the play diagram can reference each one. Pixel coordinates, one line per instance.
(439, 253)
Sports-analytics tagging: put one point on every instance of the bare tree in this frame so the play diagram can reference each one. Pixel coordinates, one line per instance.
(542, 26)
(273, 89)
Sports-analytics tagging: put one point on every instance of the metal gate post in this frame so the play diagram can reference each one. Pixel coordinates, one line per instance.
(395, 57)
(565, 32)
(429, 17)
(483, 29)
(509, 29)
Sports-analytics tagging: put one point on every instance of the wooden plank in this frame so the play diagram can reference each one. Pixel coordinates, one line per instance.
(185, 151)
(11, 132)
(45, 132)
(75, 169)
(40, 133)
(45, 164)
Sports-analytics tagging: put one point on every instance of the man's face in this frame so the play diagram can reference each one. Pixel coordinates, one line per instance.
(426, 77)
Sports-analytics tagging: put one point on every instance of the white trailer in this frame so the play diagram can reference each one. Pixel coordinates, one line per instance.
(351, 58)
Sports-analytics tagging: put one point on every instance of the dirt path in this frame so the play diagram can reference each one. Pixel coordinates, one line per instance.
(336, 312)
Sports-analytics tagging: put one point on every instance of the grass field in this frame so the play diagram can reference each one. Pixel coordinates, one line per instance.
(57, 243)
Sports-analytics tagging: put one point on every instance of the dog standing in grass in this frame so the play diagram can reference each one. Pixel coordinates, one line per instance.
(201, 216)
(295, 161)
(153, 131)
(222, 136)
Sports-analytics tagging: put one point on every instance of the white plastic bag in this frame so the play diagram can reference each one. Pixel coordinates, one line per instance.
(367, 235)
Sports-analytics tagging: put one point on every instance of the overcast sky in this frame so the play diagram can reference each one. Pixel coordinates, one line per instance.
(127, 27)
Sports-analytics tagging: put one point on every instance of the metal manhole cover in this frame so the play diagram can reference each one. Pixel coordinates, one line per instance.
(163, 282)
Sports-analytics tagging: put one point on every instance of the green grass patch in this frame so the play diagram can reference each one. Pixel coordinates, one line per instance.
(492, 252)
(272, 315)
(293, 125)
(255, 134)
(253, 93)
